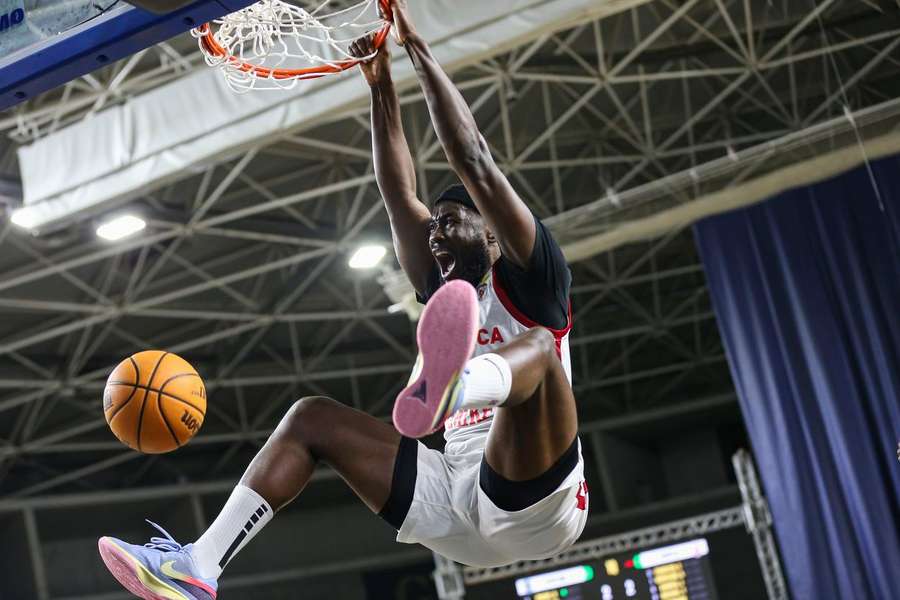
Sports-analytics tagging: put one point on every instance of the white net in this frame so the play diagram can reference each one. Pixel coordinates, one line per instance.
(274, 44)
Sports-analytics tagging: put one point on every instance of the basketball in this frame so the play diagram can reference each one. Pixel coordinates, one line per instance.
(154, 402)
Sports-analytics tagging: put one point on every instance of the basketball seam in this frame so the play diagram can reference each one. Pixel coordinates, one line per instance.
(179, 376)
(167, 395)
(134, 389)
(144, 403)
(159, 395)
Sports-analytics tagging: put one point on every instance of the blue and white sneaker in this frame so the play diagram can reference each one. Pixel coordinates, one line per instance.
(160, 570)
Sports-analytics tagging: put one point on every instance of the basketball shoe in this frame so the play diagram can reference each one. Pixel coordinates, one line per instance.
(163, 569)
(446, 336)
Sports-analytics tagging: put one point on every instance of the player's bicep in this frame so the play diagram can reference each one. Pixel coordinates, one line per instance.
(410, 236)
(503, 209)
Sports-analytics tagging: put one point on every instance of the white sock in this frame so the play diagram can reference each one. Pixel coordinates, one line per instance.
(243, 516)
(487, 380)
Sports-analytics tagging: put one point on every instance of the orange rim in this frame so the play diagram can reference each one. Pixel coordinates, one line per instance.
(212, 46)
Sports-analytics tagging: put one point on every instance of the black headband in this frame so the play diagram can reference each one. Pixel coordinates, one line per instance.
(458, 194)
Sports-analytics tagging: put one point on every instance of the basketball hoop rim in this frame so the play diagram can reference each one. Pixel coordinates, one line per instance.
(213, 48)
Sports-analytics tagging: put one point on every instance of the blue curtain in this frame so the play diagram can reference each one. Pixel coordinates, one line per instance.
(806, 289)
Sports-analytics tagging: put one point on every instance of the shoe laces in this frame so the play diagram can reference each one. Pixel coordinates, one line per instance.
(167, 544)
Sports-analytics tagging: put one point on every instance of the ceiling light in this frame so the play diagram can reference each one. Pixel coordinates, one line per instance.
(23, 217)
(367, 257)
(120, 228)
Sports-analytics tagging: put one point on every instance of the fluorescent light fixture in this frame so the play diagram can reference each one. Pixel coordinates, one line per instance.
(23, 217)
(367, 257)
(120, 228)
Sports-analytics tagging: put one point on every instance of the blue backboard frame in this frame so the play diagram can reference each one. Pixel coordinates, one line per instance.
(120, 32)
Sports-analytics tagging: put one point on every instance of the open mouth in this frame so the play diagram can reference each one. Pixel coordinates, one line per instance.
(445, 261)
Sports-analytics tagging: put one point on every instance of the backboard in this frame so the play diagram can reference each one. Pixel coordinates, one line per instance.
(45, 43)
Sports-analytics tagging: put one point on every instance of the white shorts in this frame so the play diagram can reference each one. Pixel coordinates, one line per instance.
(452, 515)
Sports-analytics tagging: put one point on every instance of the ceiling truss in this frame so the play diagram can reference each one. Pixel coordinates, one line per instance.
(242, 268)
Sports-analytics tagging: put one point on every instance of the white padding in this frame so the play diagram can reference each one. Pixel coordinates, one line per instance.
(756, 190)
(162, 135)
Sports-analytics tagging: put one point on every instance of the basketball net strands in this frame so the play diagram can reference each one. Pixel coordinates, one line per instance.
(274, 44)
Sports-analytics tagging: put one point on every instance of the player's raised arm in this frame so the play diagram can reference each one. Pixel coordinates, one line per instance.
(505, 212)
(394, 168)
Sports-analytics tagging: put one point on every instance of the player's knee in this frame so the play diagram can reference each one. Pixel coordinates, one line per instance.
(544, 341)
(309, 416)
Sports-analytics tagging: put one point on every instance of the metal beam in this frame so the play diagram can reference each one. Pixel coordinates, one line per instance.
(203, 488)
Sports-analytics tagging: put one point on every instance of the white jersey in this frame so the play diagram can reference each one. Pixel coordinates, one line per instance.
(499, 322)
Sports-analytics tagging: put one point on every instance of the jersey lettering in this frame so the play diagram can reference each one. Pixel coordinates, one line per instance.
(493, 337)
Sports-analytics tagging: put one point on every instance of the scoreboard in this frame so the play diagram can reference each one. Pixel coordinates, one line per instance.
(675, 572)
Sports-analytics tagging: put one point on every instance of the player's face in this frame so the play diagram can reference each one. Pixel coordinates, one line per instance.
(459, 243)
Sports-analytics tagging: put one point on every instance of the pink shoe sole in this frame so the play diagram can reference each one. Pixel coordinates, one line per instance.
(446, 335)
(124, 570)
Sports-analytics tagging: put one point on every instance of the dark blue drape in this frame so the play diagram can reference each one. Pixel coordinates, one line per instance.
(806, 289)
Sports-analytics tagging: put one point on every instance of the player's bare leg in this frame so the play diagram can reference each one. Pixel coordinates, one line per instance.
(359, 447)
(538, 421)
(356, 445)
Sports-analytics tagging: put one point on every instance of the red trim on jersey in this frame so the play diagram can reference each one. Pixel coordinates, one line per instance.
(519, 316)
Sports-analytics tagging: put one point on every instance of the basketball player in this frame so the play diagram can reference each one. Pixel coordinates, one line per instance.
(509, 485)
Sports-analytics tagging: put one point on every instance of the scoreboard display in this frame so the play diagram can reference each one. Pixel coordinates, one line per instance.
(675, 572)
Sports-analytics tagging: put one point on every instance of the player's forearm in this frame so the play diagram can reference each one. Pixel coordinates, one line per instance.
(394, 168)
(453, 121)
(396, 177)
(469, 156)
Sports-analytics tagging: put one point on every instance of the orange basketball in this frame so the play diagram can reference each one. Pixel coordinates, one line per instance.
(154, 401)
